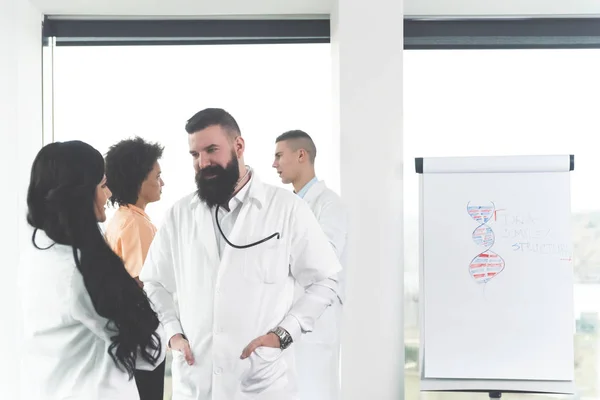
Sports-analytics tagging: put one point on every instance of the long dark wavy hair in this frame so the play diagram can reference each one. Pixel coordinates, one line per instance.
(61, 202)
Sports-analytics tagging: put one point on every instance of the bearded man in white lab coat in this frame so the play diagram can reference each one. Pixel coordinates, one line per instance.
(317, 353)
(231, 255)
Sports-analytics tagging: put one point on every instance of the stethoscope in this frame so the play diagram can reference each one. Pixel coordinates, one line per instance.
(245, 246)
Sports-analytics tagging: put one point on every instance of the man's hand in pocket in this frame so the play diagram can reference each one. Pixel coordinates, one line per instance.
(268, 340)
(179, 343)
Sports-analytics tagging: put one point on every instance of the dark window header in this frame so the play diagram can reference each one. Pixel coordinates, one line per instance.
(164, 32)
(419, 34)
(525, 33)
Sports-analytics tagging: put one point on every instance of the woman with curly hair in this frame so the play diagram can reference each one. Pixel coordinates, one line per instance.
(134, 177)
(87, 324)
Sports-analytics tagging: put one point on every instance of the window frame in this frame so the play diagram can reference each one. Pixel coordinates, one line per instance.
(419, 33)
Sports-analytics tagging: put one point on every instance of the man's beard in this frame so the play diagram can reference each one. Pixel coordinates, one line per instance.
(218, 189)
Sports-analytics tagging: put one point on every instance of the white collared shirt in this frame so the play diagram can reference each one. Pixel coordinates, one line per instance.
(226, 300)
(227, 218)
(65, 341)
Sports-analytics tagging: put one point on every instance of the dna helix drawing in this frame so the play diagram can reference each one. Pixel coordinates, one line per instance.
(487, 264)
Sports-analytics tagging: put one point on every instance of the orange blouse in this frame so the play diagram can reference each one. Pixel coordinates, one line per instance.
(130, 233)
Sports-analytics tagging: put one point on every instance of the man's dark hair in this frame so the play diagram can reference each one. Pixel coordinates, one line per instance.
(210, 117)
(299, 140)
(128, 164)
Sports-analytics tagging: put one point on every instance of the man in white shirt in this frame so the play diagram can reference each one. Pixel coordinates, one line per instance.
(318, 353)
(232, 254)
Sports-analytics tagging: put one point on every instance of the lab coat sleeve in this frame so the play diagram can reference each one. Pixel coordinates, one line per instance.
(333, 220)
(82, 310)
(159, 281)
(315, 266)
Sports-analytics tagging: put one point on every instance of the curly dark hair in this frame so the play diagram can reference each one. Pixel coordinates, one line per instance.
(128, 164)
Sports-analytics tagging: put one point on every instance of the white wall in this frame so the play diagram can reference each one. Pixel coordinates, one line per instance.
(367, 49)
(183, 7)
(20, 131)
(426, 8)
(9, 198)
(512, 8)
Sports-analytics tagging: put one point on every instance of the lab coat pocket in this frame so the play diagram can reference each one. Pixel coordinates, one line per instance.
(267, 263)
(268, 370)
(181, 372)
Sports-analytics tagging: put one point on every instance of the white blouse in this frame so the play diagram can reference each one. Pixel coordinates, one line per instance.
(65, 341)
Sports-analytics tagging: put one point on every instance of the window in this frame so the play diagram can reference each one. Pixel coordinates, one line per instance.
(516, 102)
(105, 94)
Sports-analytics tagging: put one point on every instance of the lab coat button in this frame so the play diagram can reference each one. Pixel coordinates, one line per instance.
(218, 371)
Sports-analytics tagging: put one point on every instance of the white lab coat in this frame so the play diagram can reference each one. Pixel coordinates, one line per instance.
(318, 352)
(65, 343)
(225, 302)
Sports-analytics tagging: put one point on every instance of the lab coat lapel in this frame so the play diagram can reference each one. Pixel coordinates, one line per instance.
(205, 224)
(243, 231)
(237, 235)
(314, 191)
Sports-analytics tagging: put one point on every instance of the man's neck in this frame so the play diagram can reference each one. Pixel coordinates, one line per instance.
(302, 181)
(245, 175)
(245, 178)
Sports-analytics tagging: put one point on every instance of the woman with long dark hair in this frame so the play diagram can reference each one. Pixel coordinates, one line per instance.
(88, 325)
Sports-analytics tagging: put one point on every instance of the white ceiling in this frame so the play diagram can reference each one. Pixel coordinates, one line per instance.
(182, 8)
(296, 8)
